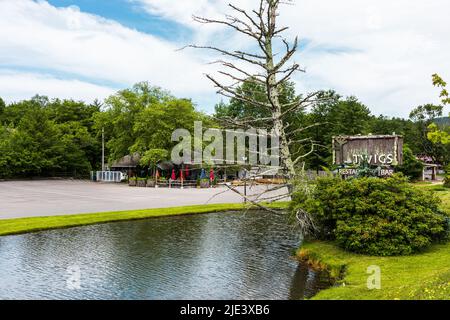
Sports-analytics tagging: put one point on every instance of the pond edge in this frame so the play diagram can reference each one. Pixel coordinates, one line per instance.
(35, 224)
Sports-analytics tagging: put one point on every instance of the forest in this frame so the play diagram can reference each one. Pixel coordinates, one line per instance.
(44, 137)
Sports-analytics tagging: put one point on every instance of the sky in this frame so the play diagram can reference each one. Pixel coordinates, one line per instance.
(383, 52)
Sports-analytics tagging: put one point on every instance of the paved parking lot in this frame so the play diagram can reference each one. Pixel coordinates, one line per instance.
(59, 197)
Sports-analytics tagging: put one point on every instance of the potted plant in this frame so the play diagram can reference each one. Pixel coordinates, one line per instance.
(141, 182)
(204, 183)
(132, 182)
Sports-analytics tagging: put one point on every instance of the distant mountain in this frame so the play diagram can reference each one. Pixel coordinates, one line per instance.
(443, 121)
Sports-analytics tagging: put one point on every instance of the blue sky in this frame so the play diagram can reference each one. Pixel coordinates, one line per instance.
(130, 14)
(383, 52)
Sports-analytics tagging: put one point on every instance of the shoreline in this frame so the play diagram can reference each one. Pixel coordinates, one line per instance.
(17, 226)
(421, 276)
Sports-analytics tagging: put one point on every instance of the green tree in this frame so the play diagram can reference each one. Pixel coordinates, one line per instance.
(151, 158)
(426, 113)
(143, 118)
(350, 117)
(5, 152)
(36, 148)
(14, 112)
(43, 137)
(386, 125)
(411, 167)
(63, 111)
(170, 115)
(333, 116)
(80, 117)
(247, 114)
(441, 136)
(438, 82)
(253, 90)
(2, 109)
(435, 134)
(423, 117)
(120, 116)
(77, 142)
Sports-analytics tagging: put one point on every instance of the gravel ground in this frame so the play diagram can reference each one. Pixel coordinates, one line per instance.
(59, 197)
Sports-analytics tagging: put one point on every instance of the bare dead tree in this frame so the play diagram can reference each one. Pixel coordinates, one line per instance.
(271, 70)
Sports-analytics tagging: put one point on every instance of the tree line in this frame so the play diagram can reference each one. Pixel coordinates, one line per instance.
(334, 115)
(53, 137)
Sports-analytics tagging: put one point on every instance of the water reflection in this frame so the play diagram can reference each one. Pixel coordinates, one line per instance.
(306, 282)
(231, 255)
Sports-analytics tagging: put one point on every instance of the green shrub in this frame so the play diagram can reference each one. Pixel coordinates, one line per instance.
(447, 176)
(374, 216)
(411, 167)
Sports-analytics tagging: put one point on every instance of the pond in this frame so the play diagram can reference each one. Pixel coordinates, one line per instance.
(231, 255)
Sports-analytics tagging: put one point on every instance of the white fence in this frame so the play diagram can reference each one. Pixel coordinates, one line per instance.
(108, 176)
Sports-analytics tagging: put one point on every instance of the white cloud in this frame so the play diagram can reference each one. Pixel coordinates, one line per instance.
(393, 49)
(382, 51)
(37, 35)
(182, 11)
(17, 86)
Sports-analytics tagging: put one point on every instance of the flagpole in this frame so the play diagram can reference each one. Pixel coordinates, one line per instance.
(103, 148)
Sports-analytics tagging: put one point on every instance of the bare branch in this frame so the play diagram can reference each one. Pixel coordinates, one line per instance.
(239, 80)
(248, 32)
(234, 94)
(252, 21)
(280, 30)
(249, 199)
(289, 53)
(306, 128)
(215, 195)
(305, 222)
(241, 122)
(298, 104)
(304, 155)
(289, 73)
(247, 74)
(239, 56)
(291, 142)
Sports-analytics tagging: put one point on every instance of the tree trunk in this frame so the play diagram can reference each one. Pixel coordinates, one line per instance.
(273, 96)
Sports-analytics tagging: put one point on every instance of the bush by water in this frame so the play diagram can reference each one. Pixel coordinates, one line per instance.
(374, 216)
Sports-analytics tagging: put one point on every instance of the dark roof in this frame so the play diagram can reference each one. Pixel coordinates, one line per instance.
(129, 161)
(370, 136)
(165, 165)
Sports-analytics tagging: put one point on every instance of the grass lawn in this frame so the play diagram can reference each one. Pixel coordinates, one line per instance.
(443, 193)
(24, 225)
(420, 276)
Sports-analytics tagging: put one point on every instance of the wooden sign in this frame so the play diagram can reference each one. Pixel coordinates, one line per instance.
(379, 150)
(352, 172)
